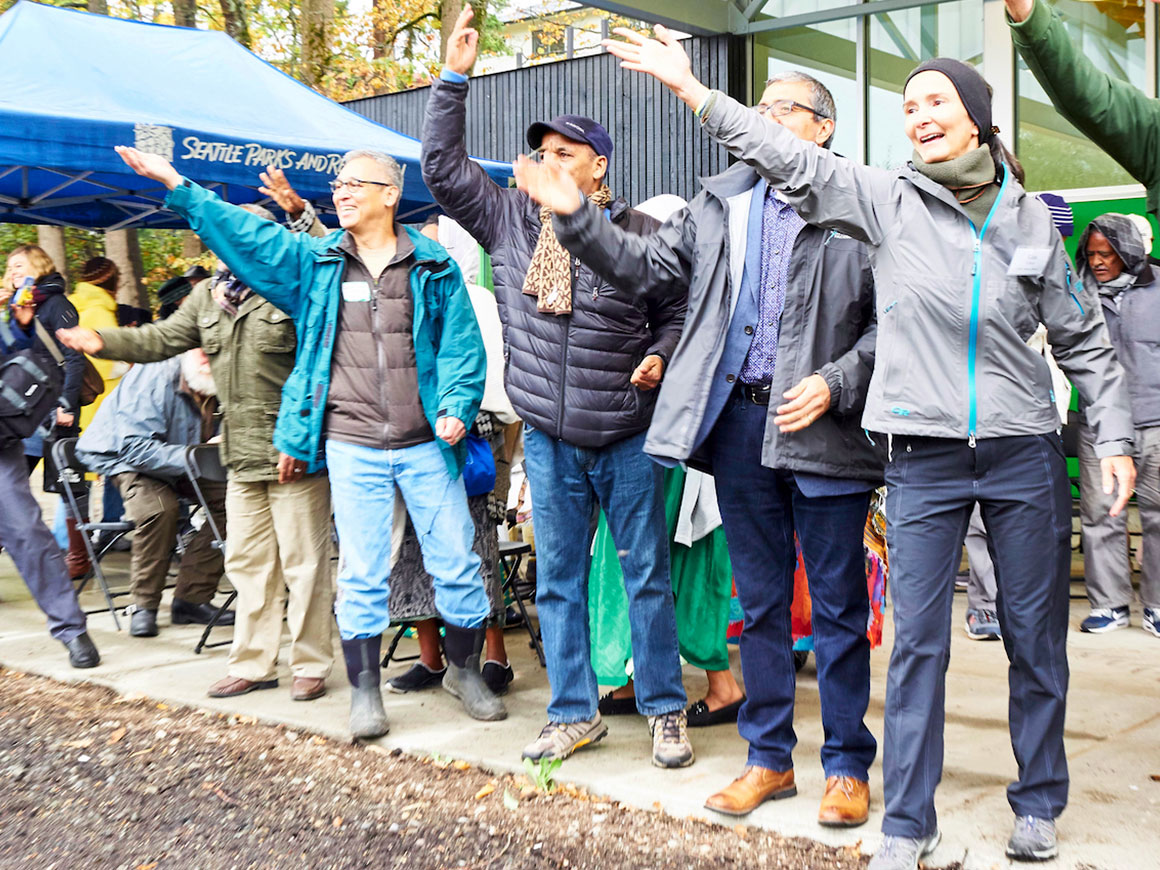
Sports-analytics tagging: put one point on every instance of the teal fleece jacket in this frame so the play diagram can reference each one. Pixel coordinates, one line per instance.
(302, 275)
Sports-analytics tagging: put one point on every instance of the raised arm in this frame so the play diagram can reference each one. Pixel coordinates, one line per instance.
(269, 259)
(150, 342)
(824, 188)
(460, 185)
(1120, 118)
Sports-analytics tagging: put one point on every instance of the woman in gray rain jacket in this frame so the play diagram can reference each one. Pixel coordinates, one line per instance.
(966, 265)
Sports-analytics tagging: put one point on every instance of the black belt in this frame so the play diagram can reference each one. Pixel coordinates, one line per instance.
(758, 394)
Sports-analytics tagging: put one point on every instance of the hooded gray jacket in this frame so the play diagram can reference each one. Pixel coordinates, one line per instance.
(952, 359)
(1133, 323)
(827, 325)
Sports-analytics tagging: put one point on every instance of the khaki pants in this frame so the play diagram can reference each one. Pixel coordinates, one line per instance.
(152, 505)
(279, 542)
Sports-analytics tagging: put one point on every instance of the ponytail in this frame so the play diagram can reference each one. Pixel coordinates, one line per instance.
(1001, 155)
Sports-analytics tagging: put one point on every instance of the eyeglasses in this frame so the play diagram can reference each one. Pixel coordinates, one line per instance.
(354, 185)
(780, 108)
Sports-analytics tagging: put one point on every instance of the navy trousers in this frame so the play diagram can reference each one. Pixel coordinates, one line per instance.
(761, 509)
(1020, 484)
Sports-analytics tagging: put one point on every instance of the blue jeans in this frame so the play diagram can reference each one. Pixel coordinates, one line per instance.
(761, 509)
(568, 482)
(362, 485)
(1020, 484)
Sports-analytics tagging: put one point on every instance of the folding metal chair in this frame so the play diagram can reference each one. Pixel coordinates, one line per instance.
(69, 471)
(204, 461)
(511, 554)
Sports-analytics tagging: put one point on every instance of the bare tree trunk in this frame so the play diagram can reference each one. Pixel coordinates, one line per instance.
(191, 245)
(379, 34)
(101, 7)
(122, 247)
(316, 18)
(184, 13)
(52, 240)
(448, 13)
(234, 15)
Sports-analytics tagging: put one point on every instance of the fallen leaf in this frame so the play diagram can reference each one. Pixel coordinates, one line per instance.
(1155, 777)
(741, 831)
(161, 706)
(461, 765)
(337, 822)
(118, 735)
(78, 744)
(510, 801)
(148, 866)
(319, 741)
(486, 790)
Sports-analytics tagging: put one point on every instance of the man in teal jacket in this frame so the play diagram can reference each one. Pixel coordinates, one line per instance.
(390, 366)
(1118, 117)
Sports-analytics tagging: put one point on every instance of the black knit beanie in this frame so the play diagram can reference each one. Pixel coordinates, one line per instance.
(972, 88)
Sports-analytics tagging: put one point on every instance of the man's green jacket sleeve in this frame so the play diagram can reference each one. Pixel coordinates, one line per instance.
(1114, 114)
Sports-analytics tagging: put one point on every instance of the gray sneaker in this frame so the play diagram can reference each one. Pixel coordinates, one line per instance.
(561, 739)
(670, 738)
(1032, 840)
(902, 853)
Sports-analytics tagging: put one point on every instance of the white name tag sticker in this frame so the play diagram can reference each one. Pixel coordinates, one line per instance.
(1030, 262)
(356, 291)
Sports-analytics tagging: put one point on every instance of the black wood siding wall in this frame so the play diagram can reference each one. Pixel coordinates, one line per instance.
(658, 148)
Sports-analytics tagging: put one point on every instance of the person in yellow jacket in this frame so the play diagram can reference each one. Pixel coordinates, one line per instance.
(95, 299)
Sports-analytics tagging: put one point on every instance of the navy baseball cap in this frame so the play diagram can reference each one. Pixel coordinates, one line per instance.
(574, 127)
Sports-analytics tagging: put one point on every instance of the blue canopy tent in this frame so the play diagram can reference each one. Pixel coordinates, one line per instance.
(74, 85)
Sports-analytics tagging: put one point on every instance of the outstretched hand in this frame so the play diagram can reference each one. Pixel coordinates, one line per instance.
(80, 338)
(462, 44)
(662, 58)
(547, 184)
(278, 188)
(150, 165)
(1019, 9)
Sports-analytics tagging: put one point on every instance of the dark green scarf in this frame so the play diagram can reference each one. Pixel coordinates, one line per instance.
(971, 178)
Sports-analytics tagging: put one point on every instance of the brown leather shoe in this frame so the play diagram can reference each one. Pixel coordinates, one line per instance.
(307, 688)
(229, 687)
(751, 789)
(846, 803)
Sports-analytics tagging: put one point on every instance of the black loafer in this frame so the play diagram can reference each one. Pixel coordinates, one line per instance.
(700, 716)
(143, 623)
(82, 652)
(610, 706)
(185, 613)
(498, 676)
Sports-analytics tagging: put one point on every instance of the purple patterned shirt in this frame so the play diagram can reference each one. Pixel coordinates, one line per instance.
(780, 226)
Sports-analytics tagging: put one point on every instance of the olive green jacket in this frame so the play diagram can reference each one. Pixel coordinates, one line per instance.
(1117, 116)
(251, 356)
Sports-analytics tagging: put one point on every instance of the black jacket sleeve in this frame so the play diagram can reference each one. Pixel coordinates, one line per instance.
(56, 312)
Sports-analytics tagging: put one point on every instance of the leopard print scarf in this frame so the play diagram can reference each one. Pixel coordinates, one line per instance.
(549, 276)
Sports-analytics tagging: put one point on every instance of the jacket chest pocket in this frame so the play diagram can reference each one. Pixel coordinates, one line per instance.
(274, 332)
(209, 324)
(1016, 303)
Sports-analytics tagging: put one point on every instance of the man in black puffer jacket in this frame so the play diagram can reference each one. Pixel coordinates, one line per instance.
(582, 359)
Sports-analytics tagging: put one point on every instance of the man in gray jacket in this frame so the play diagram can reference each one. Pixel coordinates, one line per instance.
(138, 439)
(1112, 259)
(765, 390)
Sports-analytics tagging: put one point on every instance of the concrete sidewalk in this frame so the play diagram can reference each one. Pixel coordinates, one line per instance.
(1113, 733)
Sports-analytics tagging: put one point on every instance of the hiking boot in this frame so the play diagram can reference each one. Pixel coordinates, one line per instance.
(1104, 619)
(670, 739)
(368, 719)
(983, 625)
(1151, 621)
(561, 739)
(463, 647)
(417, 678)
(902, 853)
(1032, 840)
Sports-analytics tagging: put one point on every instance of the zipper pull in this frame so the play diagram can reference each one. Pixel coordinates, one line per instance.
(971, 441)
(978, 248)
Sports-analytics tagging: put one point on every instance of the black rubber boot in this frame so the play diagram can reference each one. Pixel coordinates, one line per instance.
(462, 647)
(367, 717)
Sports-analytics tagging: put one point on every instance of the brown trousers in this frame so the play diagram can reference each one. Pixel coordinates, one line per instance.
(152, 505)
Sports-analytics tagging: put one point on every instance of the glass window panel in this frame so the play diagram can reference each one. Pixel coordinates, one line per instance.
(900, 41)
(1053, 152)
(803, 48)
